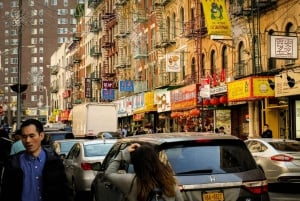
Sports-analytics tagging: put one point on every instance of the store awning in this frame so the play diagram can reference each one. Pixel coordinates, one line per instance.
(146, 109)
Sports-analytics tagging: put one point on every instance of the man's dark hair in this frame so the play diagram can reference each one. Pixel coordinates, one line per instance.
(18, 132)
(38, 125)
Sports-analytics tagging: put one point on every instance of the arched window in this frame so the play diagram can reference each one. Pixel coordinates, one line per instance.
(174, 26)
(239, 68)
(288, 29)
(182, 19)
(168, 31)
(224, 62)
(212, 62)
(271, 61)
(193, 69)
(202, 65)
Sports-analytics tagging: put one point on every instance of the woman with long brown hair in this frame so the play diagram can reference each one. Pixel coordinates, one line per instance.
(150, 173)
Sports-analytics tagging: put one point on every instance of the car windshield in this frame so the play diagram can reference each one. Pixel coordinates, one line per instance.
(214, 159)
(286, 145)
(100, 149)
(66, 146)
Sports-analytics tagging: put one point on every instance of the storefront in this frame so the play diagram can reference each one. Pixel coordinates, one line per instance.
(246, 98)
(162, 100)
(287, 90)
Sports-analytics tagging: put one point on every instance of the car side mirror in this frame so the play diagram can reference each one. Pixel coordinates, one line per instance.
(96, 166)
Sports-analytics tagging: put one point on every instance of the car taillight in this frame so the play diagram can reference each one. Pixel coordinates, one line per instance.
(86, 166)
(256, 187)
(282, 157)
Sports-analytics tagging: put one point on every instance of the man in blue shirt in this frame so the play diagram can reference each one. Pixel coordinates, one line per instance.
(36, 174)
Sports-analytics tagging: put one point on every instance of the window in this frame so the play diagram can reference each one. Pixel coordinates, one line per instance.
(174, 26)
(33, 60)
(168, 29)
(33, 41)
(203, 64)
(34, 12)
(62, 11)
(224, 58)
(34, 97)
(212, 62)
(31, 2)
(41, 40)
(65, 3)
(13, 32)
(14, 42)
(41, 21)
(33, 50)
(13, 69)
(53, 2)
(41, 59)
(33, 31)
(41, 12)
(14, 4)
(41, 50)
(33, 21)
(62, 21)
(41, 30)
(13, 60)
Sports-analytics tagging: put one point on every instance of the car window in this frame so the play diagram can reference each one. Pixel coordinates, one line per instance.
(100, 149)
(256, 146)
(214, 158)
(66, 146)
(286, 146)
(74, 152)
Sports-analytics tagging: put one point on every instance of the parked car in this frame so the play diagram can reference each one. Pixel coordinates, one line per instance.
(79, 159)
(109, 134)
(278, 158)
(207, 167)
(62, 147)
(56, 134)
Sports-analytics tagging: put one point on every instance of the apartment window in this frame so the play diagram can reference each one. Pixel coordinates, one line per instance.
(13, 32)
(33, 21)
(65, 3)
(41, 60)
(6, 60)
(41, 40)
(224, 58)
(41, 21)
(1, 5)
(6, 41)
(34, 12)
(46, 3)
(13, 69)
(13, 60)
(33, 60)
(212, 62)
(182, 19)
(14, 80)
(62, 11)
(41, 30)
(62, 30)
(34, 98)
(174, 25)
(33, 41)
(53, 2)
(203, 64)
(6, 13)
(34, 69)
(72, 11)
(62, 21)
(14, 42)
(168, 29)
(33, 31)
(33, 50)
(41, 12)
(41, 50)
(72, 21)
(31, 2)
(61, 40)
(6, 80)
(14, 4)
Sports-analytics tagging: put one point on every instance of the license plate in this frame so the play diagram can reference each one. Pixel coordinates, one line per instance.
(213, 196)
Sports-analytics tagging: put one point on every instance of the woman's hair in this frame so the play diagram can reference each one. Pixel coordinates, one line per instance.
(151, 172)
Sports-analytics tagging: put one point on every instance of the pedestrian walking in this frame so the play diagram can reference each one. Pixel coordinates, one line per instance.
(37, 174)
(18, 144)
(150, 173)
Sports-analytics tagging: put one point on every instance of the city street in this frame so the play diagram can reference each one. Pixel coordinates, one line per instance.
(284, 192)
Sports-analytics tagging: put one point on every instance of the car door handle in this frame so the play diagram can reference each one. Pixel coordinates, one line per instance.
(108, 185)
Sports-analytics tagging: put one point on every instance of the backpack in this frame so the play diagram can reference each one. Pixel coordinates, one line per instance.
(156, 195)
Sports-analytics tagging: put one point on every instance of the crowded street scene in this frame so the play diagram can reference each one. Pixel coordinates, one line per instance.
(153, 100)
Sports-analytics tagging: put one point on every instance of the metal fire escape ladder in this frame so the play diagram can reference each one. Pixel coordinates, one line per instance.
(161, 32)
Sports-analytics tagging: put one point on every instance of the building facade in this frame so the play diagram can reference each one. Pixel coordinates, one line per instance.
(166, 66)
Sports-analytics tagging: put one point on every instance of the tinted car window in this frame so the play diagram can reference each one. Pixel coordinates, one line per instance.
(223, 158)
(286, 146)
(96, 149)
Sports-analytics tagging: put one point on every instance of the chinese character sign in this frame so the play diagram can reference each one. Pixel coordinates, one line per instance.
(126, 85)
(108, 94)
(284, 47)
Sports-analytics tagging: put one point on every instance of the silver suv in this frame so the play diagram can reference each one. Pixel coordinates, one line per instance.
(208, 167)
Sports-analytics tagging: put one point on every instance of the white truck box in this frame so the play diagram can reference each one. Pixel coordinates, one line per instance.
(91, 118)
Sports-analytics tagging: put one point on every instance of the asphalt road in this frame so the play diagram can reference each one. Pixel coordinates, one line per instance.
(284, 192)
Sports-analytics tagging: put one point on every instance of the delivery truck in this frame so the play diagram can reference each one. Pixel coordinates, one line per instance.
(89, 119)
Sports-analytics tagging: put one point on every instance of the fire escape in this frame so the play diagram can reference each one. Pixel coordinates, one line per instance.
(196, 30)
(162, 41)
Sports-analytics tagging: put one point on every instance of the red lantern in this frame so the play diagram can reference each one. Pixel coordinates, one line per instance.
(214, 101)
(206, 102)
(223, 99)
(195, 112)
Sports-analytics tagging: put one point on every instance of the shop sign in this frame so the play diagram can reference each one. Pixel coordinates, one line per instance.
(126, 85)
(138, 117)
(162, 100)
(108, 94)
(249, 89)
(283, 86)
(185, 97)
(218, 90)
